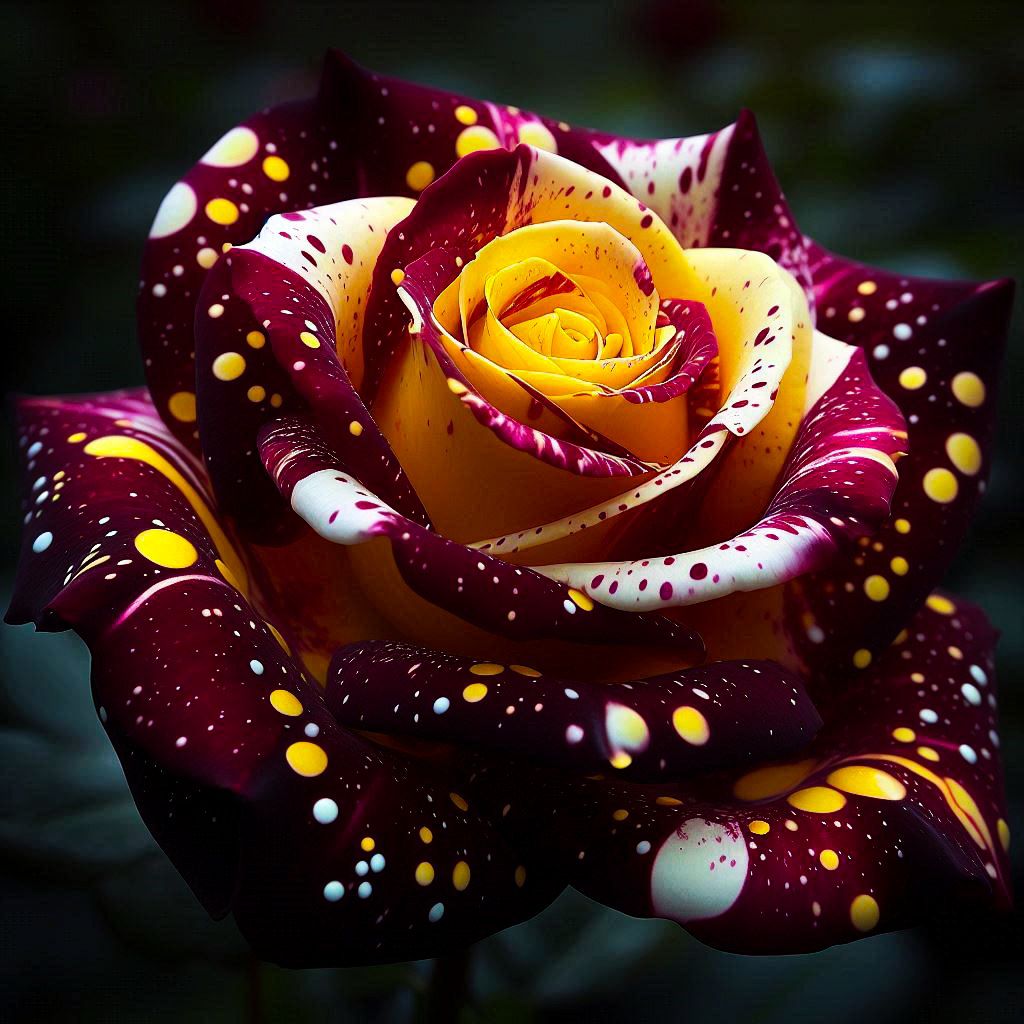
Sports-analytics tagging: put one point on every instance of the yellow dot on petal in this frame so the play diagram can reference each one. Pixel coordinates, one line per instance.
(525, 670)
(581, 600)
(964, 452)
(856, 314)
(460, 876)
(520, 875)
(691, 725)
(904, 735)
(621, 814)
(861, 658)
(955, 653)
(940, 604)
(275, 168)
(419, 175)
(829, 859)
(759, 827)
(867, 288)
(864, 912)
(426, 836)
(355, 428)
(927, 753)
(486, 668)
(276, 634)
(256, 393)
(286, 703)
(912, 378)
(222, 211)
(900, 566)
(367, 844)
(877, 588)
(902, 525)
(397, 276)
(256, 339)
(465, 115)
(424, 873)
(76, 438)
(307, 759)
(166, 548)
(968, 389)
(668, 801)
(474, 693)
(309, 339)
(456, 387)
(859, 780)
(235, 148)
(620, 760)
(228, 575)
(1003, 831)
(182, 405)
(458, 801)
(206, 257)
(475, 138)
(535, 134)
(276, 401)
(215, 311)
(229, 366)
(940, 485)
(817, 800)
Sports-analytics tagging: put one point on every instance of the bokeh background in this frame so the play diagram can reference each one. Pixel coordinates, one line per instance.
(896, 131)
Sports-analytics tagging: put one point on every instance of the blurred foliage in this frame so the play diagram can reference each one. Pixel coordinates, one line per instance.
(895, 130)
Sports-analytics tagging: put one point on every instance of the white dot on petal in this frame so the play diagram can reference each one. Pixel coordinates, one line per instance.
(325, 810)
(256, 666)
(312, 729)
(643, 847)
(927, 715)
(978, 675)
(364, 890)
(175, 212)
(573, 734)
(881, 352)
(377, 862)
(333, 891)
(902, 332)
(436, 913)
(971, 694)
(362, 868)
(42, 542)
(968, 754)
(441, 705)
(572, 694)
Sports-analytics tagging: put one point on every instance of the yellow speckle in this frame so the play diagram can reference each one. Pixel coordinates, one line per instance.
(817, 800)
(899, 565)
(222, 211)
(581, 600)
(460, 876)
(206, 257)
(877, 588)
(355, 428)
(535, 134)
(486, 668)
(691, 725)
(759, 827)
(276, 401)
(276, 634)
(621, 814)
(620, 760)
(964, 452)
(367, 844)
(309, 339)
(856, 314)
(182, 405)
(864, 912)
(525, 670)
(163, 547)
(229, 366)
(465, 115)
(968, 389)
(215, 311)
(520, 875)
(474, 693)
(426, 836)
(940, 604)
(902, 525)
(77, 438)
(904, 735)
(861, 658)
(307, 759)
(870, 782)
(867, 288)
(1003, 830)
(419, 175)
(456, 387)
(913, 377)
(458, 801)
(762, 783)
(275, 168)
(256, 393)
(474, 138)
(928, 753)
(668, 801)
(286, 703)
(955, 653)
(424, 873)
(255, 339)
(228, 575)
(829, 859)
(940, 485)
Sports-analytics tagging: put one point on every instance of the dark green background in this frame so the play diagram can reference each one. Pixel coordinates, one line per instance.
(896, 131)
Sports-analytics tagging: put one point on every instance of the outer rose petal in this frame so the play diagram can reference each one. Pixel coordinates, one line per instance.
(896, 808)
(936, 348)
(314, 839)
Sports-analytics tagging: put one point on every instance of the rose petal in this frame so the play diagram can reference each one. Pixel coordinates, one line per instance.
(896, 809)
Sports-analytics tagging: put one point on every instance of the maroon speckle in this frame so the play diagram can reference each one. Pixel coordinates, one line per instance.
(346, 252)
(698, 571)
(666, 591)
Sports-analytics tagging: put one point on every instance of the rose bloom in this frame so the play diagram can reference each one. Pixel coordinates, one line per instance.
(515, 506)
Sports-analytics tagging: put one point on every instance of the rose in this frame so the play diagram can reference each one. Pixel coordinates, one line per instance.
(575, 421)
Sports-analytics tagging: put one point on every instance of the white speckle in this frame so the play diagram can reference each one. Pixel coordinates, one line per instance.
(978, 675)
(159, 290)
(927, 715)
(42, 542)
(364, 890)
(971, 694)
(377, 863)
(103, 714)
(643, 847)
(881, 352)
(333, 891)
(573, 734)
(901, 332)
(968, 754)
(256, 666)
(569, 607)
(441, 705)
(362, 868)
(436, 913)
(325, 810)
(181, 741)
(572, 694)
(312, 729)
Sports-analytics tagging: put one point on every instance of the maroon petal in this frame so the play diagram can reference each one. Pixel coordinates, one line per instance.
(326, 848)
(895, 809)
(935, 347)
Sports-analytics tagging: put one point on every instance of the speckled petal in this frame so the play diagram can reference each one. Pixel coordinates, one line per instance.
(326, 848)
(936, 348)
(895, 809)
